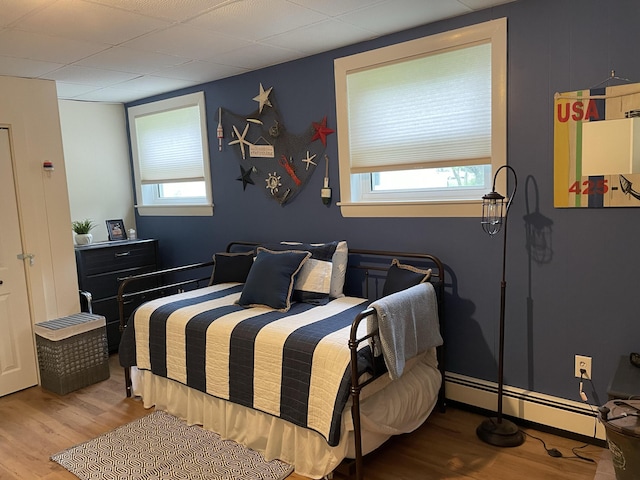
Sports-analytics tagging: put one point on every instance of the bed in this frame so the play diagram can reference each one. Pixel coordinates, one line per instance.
(274, 351)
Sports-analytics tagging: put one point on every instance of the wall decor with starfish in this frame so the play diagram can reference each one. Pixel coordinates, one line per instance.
(270, 157)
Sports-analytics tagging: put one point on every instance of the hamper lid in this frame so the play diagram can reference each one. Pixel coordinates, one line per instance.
(65, 327)
(622, 417)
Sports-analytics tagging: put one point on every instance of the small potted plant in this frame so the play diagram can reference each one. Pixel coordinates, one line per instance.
(82, 229)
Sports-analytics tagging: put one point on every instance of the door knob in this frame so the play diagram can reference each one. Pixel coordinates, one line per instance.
(27, 256)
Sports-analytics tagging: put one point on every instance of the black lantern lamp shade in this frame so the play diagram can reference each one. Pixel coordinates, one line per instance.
(498, 431)
(492, 208)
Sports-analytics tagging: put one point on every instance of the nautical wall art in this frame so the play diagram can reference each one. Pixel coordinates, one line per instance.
(270, 157)
(597, 147)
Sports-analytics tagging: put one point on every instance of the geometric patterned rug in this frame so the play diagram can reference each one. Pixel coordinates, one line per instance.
(161, 446)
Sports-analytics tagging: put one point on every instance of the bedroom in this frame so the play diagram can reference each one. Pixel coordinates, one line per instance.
(555, 310)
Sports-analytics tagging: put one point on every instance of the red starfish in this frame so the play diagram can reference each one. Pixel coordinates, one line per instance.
(321, 131)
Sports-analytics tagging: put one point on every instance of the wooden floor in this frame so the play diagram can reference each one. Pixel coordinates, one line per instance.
(35, 423)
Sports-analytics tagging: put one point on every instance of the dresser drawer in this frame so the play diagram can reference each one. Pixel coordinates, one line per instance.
(102, 285)
(115, 258)
(109, 307)
(100, 268)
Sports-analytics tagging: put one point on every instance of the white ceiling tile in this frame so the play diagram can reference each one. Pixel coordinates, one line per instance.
(23, 67)
(257, 19)
(35, 46)
(320, 37)
(152, 83)
(90, 76)
(187, 42)
(113, 95)
(13, 10)
(129, 60)
(256, 56)
(71, 90)
(201, 72)
(99, 23)
(334, 8)
(396, 15)
(173, 10)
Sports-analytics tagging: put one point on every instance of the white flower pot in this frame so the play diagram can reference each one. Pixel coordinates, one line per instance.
(83, 238)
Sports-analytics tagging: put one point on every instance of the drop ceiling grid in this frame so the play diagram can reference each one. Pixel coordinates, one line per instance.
(122, 50)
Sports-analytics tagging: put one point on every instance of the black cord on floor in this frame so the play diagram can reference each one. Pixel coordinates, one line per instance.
(554, 452)
(587, 459)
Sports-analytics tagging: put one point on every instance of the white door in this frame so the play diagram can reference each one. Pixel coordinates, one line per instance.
(18, 368)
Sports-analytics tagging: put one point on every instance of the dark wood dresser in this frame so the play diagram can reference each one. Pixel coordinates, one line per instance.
(101, 265)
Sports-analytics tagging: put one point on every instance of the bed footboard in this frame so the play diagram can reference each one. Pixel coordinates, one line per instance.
(126, 292)
(357, 385)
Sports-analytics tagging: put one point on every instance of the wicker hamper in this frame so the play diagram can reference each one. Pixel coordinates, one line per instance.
(72, 352)
(623, 437)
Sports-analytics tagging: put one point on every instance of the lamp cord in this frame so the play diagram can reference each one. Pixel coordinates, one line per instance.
(554, 452)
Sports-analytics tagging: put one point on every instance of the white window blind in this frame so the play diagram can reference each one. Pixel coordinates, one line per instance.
(170, 156)
(422, 112)
(170, 146)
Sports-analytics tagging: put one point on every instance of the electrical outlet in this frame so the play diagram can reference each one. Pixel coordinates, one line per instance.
(583, 363)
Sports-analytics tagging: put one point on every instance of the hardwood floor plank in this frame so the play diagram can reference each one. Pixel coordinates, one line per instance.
(35, 424)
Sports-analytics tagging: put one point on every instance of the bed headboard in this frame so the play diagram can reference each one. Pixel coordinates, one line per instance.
(367, 269)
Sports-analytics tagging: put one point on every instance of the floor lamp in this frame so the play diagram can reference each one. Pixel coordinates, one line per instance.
(496, 430)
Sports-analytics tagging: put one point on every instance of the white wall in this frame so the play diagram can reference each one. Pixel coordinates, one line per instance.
(98, 171)
(29, 108)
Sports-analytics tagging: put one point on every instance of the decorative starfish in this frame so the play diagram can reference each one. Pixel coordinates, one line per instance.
(321, 131)
(263, 97)
(309, 160)
(245, 177)
(240, 139)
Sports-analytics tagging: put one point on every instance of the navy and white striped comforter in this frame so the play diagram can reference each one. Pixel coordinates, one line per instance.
(293, 365)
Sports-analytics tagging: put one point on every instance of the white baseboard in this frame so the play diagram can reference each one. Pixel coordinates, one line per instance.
(555, 412)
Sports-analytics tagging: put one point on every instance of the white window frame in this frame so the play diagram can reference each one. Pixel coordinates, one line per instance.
(351, 203)
(148, 200)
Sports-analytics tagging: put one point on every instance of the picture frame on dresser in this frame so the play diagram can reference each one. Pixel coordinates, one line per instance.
(116, 230)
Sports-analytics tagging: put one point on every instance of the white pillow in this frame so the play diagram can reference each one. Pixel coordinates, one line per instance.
(338, 267)
(339, 271)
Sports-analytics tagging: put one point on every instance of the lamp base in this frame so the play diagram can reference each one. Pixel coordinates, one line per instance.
(500, 434)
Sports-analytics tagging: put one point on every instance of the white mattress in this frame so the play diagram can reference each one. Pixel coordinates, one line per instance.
(387, 408)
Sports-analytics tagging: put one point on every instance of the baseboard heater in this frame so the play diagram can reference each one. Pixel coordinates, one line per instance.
(558, 413)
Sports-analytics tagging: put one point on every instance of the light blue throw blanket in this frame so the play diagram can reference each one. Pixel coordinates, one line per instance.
(408, 325)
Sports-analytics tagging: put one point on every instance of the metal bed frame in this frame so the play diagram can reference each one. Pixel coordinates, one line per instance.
(371, 264)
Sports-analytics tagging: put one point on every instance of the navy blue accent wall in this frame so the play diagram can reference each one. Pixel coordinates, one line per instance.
(580, 298)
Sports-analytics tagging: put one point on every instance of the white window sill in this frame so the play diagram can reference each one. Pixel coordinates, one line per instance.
(175, 210)
(466, 208)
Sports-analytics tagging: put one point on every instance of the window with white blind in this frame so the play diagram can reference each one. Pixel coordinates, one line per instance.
(422, 124)
(171, 156)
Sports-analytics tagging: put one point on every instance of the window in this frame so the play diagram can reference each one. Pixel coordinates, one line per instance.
(171, 156)
(422, 124)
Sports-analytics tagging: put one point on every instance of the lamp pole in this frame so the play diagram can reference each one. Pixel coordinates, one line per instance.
(497, 430)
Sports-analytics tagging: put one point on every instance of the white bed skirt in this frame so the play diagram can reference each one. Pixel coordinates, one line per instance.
(387, 408)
